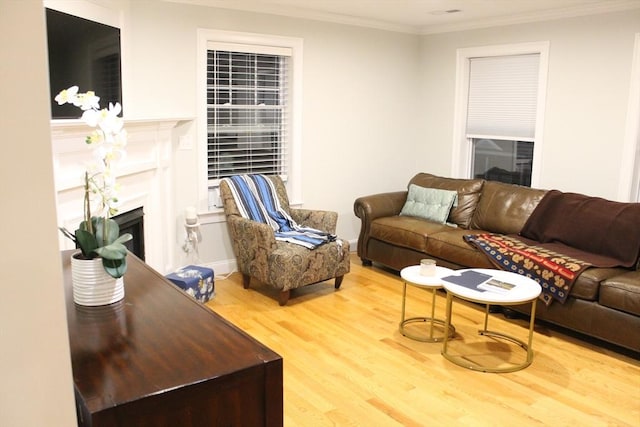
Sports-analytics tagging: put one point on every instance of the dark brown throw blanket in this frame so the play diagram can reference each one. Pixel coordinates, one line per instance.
(565, 234)
(609, 231)
(555, 272)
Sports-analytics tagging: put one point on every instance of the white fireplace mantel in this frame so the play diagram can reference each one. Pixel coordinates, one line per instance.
(144, 177)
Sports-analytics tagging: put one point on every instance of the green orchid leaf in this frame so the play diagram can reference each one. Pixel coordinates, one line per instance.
(115, 268)
(87, 242)
(67, 234)
(107, 231)
(85, 227)
(124, 238)
(114, 251)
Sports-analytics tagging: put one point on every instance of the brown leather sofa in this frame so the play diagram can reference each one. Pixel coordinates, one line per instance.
(604, 303)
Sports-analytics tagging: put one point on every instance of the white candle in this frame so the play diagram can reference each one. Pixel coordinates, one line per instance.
(190, 215)
(428, 267)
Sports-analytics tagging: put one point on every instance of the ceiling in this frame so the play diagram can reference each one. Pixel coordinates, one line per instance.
(425, 16)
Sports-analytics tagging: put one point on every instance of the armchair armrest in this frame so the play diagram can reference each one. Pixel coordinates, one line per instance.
(368, 208)
(318, 219)
(252, 243)
(261, 235)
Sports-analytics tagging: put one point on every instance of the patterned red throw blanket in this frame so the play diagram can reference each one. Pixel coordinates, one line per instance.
(555, 272)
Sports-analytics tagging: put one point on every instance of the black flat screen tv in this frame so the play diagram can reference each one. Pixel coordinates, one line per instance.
(84, 53)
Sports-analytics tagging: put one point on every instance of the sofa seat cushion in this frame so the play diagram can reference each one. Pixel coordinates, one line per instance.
(450, 246)
(587, 285)
(622, 292)
(405, 231)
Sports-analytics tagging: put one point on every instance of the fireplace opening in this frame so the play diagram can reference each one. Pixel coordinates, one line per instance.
(133, 222)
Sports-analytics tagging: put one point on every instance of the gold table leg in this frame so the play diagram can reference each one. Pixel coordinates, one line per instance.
(431, 320)
(461, 361)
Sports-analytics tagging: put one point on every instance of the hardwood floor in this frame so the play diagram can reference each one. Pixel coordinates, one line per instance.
(346, 364)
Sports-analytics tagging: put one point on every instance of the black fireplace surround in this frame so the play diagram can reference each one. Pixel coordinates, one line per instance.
(133, 222)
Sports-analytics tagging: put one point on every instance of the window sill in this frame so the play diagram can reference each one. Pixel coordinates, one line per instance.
(212, 217)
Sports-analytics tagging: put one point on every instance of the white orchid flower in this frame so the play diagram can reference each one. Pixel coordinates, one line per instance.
(115, 154)
(91, 117)
(87, 101)
(67, 95)
(115, 108)
(99, 155)
(94, 138)
(108, 139)
(109, 121)
(109, 179)
(120, 139)
(111, 153)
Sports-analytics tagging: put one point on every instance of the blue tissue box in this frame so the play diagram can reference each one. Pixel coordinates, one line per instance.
(195, 280)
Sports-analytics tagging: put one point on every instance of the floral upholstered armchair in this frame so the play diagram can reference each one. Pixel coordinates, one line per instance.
(279, 264)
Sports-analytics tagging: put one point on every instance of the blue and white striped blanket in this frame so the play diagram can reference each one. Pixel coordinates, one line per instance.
(256, 198)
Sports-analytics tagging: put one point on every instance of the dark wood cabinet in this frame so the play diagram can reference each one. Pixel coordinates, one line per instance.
(159, 358)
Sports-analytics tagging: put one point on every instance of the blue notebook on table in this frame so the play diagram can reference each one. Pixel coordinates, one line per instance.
(469, 279)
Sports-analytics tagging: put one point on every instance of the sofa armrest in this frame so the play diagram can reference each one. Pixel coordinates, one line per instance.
(321, 220)
(368, 208)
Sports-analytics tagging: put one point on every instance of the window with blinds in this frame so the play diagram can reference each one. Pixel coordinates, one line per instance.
(503, 97)
(501, 116)
(247, 112)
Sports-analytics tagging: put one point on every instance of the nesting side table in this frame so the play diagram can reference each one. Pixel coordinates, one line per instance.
(525, 290)
(411, 276)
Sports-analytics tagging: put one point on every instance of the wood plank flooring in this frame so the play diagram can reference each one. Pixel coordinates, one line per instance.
(346, 364)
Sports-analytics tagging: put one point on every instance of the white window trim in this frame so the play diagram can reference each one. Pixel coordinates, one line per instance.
(462, 147)
(294, 181)
(629, 181)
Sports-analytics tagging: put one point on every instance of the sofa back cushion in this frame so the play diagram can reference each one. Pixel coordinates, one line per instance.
(504, 208)
(468, 195)
(591, 224)
(433, 204)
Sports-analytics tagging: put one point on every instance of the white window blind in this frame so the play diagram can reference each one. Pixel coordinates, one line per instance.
(503, 95)
(247, 110)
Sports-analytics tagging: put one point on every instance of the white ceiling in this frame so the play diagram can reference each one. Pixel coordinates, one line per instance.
(425, 16)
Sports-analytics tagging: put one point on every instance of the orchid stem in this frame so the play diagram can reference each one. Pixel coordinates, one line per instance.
(87, 204)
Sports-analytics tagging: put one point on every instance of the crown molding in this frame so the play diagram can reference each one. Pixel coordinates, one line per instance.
(611, 6)
(269, 8)
(301, 13)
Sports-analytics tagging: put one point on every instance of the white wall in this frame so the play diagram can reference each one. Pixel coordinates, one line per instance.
(36, 384)
(378, 106)
(588, 90)
(359, 103)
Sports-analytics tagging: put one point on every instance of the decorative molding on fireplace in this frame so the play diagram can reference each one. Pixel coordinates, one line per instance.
(145, 177)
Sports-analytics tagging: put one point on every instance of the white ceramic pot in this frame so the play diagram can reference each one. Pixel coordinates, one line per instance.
(92, 286)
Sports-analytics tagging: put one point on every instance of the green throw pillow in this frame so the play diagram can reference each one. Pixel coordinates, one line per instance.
(433, 204)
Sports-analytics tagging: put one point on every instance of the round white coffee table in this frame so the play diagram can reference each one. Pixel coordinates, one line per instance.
(525, 290)
(411, 276)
